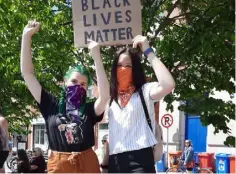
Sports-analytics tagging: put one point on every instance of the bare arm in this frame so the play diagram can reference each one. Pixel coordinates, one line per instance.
(33, 167)
(27, 68)
(4, 124)
(103, 85)
(165, 79)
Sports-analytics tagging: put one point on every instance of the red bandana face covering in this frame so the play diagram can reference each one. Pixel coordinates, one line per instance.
(125, 87)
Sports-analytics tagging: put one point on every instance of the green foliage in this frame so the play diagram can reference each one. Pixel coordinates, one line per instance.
(197, 45)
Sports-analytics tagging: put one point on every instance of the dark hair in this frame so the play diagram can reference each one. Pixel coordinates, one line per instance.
(138, 76)
(22, 156)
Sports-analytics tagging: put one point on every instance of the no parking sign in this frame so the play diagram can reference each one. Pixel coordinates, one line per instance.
(167, 120)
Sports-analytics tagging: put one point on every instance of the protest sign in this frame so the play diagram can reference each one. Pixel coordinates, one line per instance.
(108, 22)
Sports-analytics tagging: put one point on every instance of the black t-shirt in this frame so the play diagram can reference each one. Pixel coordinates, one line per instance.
(40, 162)
(65, 134)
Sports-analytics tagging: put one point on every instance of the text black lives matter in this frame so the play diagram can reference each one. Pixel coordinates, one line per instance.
(111, 34)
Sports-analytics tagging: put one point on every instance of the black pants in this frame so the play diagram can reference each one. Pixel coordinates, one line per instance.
(3, 157)
(138, 161)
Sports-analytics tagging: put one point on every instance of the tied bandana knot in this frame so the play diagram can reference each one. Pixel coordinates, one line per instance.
(75, 98)
(125, 87)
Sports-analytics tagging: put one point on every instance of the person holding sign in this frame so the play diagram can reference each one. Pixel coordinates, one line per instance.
(69, 121)
(131, 139)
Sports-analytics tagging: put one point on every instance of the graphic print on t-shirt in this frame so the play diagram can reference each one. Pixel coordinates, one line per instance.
(71, 128)
(68, 131)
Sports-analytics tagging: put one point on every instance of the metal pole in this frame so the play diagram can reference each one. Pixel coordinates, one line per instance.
(167, 146)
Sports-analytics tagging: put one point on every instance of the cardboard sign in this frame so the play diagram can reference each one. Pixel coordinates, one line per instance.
(108, 22)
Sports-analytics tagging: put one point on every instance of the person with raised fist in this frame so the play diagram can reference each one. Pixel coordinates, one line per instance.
(70, 119)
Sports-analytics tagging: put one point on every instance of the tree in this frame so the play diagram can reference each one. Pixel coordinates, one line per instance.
(196, 44)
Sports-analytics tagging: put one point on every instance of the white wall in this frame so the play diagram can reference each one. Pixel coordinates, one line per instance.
(215, 142)
(176, 132)
(40, 120)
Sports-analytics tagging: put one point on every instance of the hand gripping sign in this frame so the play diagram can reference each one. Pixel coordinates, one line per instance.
(108, 22)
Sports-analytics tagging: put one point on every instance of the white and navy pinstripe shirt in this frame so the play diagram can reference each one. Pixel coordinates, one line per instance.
(128, 128)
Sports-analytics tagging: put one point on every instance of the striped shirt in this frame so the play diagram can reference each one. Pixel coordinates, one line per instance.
(128, 127)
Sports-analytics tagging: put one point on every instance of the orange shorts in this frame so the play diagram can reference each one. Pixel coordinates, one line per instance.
(73, 162)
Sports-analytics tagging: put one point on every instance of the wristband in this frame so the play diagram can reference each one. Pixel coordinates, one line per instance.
(147, 51)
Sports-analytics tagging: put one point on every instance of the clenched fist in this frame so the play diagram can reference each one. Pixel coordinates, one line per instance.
(31, 28)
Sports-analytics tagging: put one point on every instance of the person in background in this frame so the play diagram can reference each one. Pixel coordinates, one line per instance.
(188, 156)
(37, 164)
(10, 146)
(23, 165)
(4, 150)
(105, 154)
(10, 143)
(29, 153)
